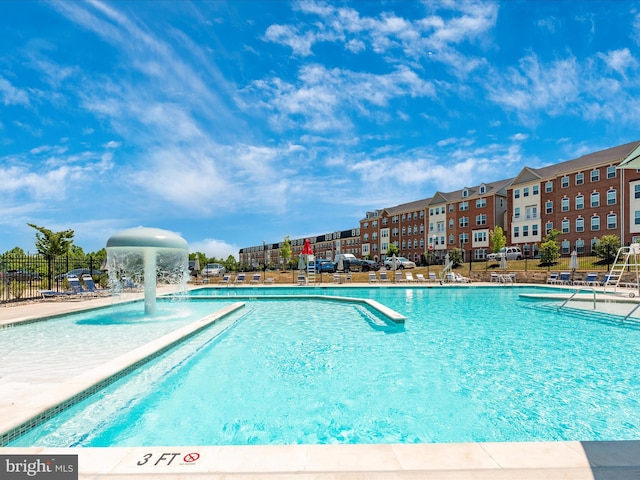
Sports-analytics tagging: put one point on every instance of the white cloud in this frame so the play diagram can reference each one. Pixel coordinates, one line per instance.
(620, 60)
(11, 95)
(214, 248)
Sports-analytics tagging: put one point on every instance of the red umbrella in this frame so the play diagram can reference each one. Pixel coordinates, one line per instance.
(306, 248)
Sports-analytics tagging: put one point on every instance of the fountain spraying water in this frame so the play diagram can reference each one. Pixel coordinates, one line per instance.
(150, 254)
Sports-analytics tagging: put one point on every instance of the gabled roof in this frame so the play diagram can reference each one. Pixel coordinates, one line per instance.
(632, 160)
(609, 156)
(526, 175)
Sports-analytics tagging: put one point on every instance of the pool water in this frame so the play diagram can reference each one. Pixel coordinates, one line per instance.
(470, 365)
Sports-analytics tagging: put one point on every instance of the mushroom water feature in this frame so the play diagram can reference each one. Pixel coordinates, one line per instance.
(151, 254)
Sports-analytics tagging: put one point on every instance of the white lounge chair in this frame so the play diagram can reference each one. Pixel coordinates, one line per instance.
(420, 278)
(372, 277)
(409, 277)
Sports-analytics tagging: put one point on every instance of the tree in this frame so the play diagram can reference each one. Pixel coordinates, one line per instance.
(455, 257)
(51, 244)
(607, 248)
(285, 250)
(393, 249)
(498, 239)
(549, 248)
(231, 264)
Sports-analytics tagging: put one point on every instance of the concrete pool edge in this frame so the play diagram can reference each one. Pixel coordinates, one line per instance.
(567, 460)
(383, 310)
(22, 418)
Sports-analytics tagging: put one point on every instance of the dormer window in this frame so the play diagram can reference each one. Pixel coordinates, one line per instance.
(483, 189)
(465, 193)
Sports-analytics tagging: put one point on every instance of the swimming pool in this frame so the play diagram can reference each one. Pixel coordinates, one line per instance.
(470, 365)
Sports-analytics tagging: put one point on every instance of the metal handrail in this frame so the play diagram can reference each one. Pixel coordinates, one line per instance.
(578, 291)
(632, 310)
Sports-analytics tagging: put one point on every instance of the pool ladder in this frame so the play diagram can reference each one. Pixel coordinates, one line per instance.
(578, 291)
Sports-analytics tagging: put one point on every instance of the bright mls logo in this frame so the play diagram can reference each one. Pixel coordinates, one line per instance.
(38, 467)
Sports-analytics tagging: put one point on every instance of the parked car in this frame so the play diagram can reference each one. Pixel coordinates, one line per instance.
(325, 266)
(370, 266)
(18, 276)
(401, 263)
(78, 272)
(349, 262)
(511, 253)
(213, 270)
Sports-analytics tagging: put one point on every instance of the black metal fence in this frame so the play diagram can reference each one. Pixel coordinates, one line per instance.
(23, 277)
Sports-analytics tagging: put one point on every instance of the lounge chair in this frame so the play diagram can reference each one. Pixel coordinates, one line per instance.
(129, 284)
(564, 278)
(91, 286)
(399, 278)
(240, 278)
(225, 279)
(591, 280)
(552, 278)
(433, 277)
(372, 277)
(77, 288)
(409, 277)
(302, 280)
(337, 278)
(54, 294)
(494, 277)
(383, 277)
(255, 278)
(420, 278)
(461, 279)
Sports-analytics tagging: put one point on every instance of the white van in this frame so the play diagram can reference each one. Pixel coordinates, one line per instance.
(511, 253)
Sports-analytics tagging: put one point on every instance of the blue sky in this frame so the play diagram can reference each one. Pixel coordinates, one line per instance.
(236, 122)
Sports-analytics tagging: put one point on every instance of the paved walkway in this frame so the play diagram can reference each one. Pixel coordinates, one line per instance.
(549, 460)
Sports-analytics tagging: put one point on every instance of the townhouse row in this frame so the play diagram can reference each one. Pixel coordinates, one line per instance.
(584, 199)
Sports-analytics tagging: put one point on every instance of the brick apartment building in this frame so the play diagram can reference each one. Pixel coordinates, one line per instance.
(584, 199)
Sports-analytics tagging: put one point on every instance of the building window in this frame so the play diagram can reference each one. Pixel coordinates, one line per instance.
(565, 182)
(636, 190)
(534, 229)
(531, 212)
(594, 241)
(566, 247)
(595, 223)
(463, 206)
(611, 172)
(636, 217)
(595, 199)
(548, 227)
(464, 222)
(481, 203)
(548, 187)
(516, 193)
(464, 238)
(536, 189)
(525, 230)
(451, 207)
(452, 240)
(465, 193)
(579, 224)
(431, 212)
(548, 206)
(565, 226)
(479, 237)
(451, 223)
(579, 202)
(483, 189)
(525, 192)
(612, 221)
(366, 237)
(481, 219)
(580, 246)
(611, 197)
(516, 232)
(579, 178)
(595, 175)
(516, 213)
(565, 204)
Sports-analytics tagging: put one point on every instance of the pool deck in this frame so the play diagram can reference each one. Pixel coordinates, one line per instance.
(535, 460)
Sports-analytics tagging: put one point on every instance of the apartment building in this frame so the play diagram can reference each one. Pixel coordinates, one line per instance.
(324, 246)
(584, 199)
(463, 219)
